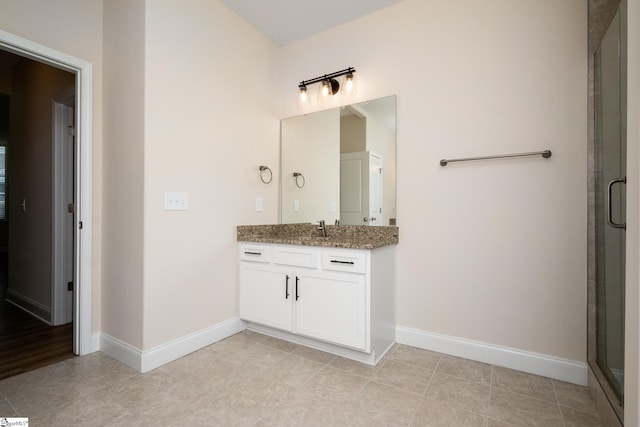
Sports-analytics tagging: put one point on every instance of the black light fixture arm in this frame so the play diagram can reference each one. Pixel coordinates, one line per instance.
(326, 77)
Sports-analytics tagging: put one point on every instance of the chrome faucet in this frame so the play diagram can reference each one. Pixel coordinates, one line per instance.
(322, 229)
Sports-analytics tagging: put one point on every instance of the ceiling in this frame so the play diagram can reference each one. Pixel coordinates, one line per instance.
(287, 21)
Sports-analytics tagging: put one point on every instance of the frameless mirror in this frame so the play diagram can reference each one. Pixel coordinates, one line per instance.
(340, 165)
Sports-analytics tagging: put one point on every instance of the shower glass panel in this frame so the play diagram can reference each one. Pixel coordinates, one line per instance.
(610, 120)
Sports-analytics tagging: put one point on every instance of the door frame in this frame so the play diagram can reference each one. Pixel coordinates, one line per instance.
(83, 70)
(375, 188)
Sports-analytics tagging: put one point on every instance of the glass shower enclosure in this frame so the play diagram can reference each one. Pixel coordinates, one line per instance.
(610, 143)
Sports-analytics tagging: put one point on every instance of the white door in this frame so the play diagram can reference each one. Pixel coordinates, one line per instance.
(69, 224)
(266, 295)
(331, 308)
(360, 188)
(63, 213)
(354, 188)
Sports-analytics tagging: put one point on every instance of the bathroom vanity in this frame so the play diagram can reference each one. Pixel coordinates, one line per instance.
(329, 287)
(334, 293)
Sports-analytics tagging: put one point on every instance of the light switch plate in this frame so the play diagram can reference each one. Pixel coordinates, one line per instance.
(176, 201)
(296, 206)
(258, 204)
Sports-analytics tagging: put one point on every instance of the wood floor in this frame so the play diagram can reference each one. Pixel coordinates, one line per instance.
(27, 343)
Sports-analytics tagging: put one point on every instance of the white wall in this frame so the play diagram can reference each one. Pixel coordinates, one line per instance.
(210, 122)
(124, 113)
(353, 134)
(493, 252)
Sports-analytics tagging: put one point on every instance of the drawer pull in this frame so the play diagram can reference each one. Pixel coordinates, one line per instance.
(252, 253)
(286, 288)
(335, 261)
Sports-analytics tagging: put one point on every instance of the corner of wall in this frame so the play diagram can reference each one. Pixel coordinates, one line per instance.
(145, 361)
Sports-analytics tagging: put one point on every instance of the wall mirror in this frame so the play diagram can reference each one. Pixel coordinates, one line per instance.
(340, 165)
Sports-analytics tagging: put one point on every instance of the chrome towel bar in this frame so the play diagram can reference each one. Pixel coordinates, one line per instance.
(546, 154)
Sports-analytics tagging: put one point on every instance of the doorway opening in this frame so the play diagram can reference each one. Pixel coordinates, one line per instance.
(37, 307)
(67, 107)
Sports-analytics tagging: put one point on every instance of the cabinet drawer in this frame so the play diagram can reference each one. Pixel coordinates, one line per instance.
(259, 253)
(296, 256)
(352, 262)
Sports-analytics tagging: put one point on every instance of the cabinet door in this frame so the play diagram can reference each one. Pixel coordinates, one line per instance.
(331, 308)
(266, 295)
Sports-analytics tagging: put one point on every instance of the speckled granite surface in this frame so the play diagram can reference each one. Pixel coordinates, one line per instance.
(338, 236)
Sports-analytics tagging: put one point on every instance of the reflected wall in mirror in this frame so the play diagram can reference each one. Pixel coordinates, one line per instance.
(347, 158)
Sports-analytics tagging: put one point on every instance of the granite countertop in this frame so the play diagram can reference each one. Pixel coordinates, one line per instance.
(338, 236)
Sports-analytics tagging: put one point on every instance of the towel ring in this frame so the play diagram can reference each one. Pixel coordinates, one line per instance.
(296, 175)
(265, 168)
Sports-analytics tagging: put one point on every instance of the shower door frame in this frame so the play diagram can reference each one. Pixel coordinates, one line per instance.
(601, 14)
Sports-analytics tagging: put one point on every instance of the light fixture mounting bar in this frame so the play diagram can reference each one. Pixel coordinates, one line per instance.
(346, 71)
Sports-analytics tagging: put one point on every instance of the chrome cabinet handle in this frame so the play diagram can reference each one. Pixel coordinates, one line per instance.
(609, 205)
(365, 219)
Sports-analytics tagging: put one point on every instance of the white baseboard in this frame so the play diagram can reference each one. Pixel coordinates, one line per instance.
(145, 361)
(175, 349)
(534, 363)
(29, 305)
(95, 342)
(120, 350)
(540, 364)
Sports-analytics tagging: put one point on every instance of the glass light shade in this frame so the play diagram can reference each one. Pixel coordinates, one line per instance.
(348, 85)
(325, 92)
(303, 98)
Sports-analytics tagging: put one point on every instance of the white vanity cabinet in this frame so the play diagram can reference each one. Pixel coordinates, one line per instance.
(337, 300)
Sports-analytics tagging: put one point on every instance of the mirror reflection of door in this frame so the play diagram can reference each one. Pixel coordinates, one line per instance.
(360, 188)
(354, 194)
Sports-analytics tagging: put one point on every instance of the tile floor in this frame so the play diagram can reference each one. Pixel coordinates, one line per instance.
(250, 379)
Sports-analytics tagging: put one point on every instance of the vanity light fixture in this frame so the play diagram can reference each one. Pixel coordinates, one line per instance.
(329, 85)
